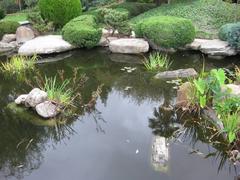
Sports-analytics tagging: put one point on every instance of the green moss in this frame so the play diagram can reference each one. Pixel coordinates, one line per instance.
(82, 31)
(8, 27)
(207, 16)
(166, 31)
(60, 12)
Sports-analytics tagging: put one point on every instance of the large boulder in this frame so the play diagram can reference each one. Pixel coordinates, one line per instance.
(184, 95)
(213, 47)
(47, 109)
(7, 38)
(35, 97)
(45, 45)
(129, 46)
(180, 73)
(24, 34)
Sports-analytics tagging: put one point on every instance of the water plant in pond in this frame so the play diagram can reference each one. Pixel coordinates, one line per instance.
(19, 64)
(157, 61)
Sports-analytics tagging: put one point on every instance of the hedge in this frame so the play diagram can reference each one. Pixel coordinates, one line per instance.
(82, 31)
(8, 27)
(166, 31)
(60, 11)
(231, 33)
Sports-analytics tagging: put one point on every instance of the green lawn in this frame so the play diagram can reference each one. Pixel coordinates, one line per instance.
(16, 17)
(207, 15)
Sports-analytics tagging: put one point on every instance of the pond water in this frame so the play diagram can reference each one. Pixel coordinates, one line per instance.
(118, 139)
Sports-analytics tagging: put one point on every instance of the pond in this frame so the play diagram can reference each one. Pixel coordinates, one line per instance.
(126, 136)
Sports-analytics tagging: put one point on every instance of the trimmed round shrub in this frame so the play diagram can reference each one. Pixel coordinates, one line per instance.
(8, 27)
(231, 33)
(60, 11)
(166, 31)
(82, 31)
(2, 13)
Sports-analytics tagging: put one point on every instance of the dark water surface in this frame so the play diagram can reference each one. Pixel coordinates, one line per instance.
(115, 141)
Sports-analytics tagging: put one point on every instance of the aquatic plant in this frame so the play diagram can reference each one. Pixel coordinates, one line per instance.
(19, 64)
(157, 61)
(237, 74)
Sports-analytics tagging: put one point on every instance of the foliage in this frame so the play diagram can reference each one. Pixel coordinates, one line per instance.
(207, 16)
(224, 31)
(157, 61)
(8, 27)
(9, 5)
(58, 11)
(16, 17)
(237, 74)
(116, 20)
(38, 23)
(2, 13)
(82, 31)
(166, 31)
(19, 64)
(30, 3)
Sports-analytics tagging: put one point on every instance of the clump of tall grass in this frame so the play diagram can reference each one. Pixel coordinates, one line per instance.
(237, 74)
(157, 61)
(19, 64)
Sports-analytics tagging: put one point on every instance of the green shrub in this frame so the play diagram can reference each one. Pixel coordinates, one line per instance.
(166, 31)
(8, 27)
(2, 13)
(82, 31)
(231, 33)
(60, 12)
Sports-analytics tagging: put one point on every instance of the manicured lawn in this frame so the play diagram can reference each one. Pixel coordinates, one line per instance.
(207, 16)
(16, 17)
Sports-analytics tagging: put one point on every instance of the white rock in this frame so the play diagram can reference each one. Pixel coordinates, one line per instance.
(35, 97)
(24, 34)
(233, 89)
(45, 45)
(5, 47)
(47, 109)
(129, 46)
(213, 47)
(21, 99)
(7, 38)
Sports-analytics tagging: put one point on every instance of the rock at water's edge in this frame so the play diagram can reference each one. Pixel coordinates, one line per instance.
(47, 109)
(180, 73)
(21, 99)
(35, 97)
(24, 34)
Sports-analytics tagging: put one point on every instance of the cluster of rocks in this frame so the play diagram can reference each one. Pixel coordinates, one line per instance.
(38, 100)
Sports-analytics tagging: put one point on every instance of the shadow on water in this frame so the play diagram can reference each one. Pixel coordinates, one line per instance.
(24, 145)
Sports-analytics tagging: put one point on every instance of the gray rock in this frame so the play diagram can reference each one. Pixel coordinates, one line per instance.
(45, 45)
(6, 47)
(21, 99)
(35, 97)
(104, 41)
(129, 46)
(47, 109)
(232, 89)
(24, 34)
(213, 47)
(180, 73)
(7, 38)
(184, 95)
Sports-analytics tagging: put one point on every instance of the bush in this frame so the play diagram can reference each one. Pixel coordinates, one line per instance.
(60, 12)
(231, 33)
(82, 31)
(2, 13)
(166, 31)
(7, 27)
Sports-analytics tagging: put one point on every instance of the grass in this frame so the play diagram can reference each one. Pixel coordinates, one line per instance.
(207, 15)
(21, 16)
(18, 64)
(60, 93)
(157, 61)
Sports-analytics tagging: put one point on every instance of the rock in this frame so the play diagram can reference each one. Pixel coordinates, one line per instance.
(35, 97)
(24, 34)
(21, 99)
(7, 38)
(232, 89)
(158, 48)
(104, 41)
(5, 47)
(184, 95)
(47, 109)
(129, 46)
(45, 45)
(213, 47)
(180, 73)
